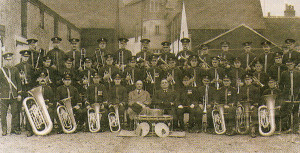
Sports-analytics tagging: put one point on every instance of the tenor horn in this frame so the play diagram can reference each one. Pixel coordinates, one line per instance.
(242, 119)
(94, 118)
(66, 116)
(114, 120)
(266, 116)
(218, 119)
(37, 113)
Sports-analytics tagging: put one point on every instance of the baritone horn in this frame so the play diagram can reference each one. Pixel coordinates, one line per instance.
(114, 120)
(37, 113)
(243, 119)
(218, 119)
(266, 116)
(94, 117)
(66, 116)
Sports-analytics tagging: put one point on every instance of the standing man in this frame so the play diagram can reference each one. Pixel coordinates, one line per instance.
(236, 74)
(266, 58)
(74, 52)
(122, 54)
(10, 94)
(132, 73)
(247, 57)
(277, 68)
(225, 51)
(291, 53)
(34, 54)
(56, 54)
(108, 70)
(98, 56)
(26, 72)
(145, 53)
(185, 53)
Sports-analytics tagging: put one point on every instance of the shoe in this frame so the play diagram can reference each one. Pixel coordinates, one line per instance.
(29, 134)
(17, 132)
(4, 133)
(253, 135)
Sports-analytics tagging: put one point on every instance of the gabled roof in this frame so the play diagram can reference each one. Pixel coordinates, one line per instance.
(224, 14)
(237, 36)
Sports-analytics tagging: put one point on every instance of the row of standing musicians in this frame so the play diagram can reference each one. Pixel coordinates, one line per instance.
(186, 74)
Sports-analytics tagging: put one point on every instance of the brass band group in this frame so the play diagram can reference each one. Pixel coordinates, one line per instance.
(68, 91)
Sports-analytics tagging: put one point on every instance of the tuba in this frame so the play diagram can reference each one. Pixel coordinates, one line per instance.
(266, 116)
(242, 119)
(114, 120)
(37, 113)
(218, 119)
(94, 118)
(66, 116)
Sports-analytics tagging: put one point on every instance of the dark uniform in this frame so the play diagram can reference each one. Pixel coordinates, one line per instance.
(266, 58)
(75, 54)
(34, 54)
(277, 68)
(184, 54)
(57, 55)
(10, 89)
(247, 57)
(132, 74)
(144, 54)
(216, 73)
(122, 55)
(156, 74)
(292, 54)
(108, 71)
(236, 74)
(194, 71)
(26, 72)
(225, 53)
(98, 56)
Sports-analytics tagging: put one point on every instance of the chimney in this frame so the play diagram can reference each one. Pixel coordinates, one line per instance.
(289, 11)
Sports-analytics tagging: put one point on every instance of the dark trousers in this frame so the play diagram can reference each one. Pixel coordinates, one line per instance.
(192, 117)
(199, 114)
(15, 112)
(286, 110)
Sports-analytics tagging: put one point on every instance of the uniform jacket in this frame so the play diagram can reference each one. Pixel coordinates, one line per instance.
(96, 93)
(254, 94)
(5, 86)
(163, 98)
(57, 56)
(62, 93)
(76, 55)
(231, 95)
(187, 96)
(28, 70)
(211, 94)
(243, 58)
(126, 55)
(274, 69)
(118, 94)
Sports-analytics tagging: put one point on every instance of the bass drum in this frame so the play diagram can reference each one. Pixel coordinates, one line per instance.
(162, 130)
(142, 129)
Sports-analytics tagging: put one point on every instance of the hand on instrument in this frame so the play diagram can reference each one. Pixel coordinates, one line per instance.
(76, 107)
(201, 106)
(180, 106)
(226, 106)
(53, 66)
(19, 98)
(192, 105)
(88, 107)
(248, 68)
(171, 103)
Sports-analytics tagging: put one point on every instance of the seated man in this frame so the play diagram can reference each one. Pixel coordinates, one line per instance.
(138, 101)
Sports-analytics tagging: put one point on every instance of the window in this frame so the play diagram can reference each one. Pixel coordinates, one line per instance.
(42, 18)
(157, 30)
(154, 6)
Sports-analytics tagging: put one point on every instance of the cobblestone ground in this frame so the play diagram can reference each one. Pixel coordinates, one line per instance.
(110, 142)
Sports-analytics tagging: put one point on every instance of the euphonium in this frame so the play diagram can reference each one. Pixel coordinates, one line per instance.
(114, 120)
(37, 113)
(266, 116)
(218, 119)
(66, 116)
(94, 118)
(242, 119)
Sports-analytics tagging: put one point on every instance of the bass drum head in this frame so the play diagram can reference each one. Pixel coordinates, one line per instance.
(142, 129)
(162, 130)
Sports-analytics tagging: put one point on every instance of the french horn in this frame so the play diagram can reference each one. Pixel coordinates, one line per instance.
(66, 116)
(37, 113)
(94, 118)
(266, 116)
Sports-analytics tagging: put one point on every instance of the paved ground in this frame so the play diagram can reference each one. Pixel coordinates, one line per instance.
(110, 142)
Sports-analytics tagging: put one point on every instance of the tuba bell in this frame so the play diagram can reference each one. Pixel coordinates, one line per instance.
(243, 119)
(114, 120)
(218, 119)
(37, 113)
(94, 118)
(266, 116)
(66, 116)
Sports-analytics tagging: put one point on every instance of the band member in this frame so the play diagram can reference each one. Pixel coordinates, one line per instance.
(153, 76)
(291, 53)
(260, 77)
(236, 74)
(68, 91)
(34, 54)
(26, 71)
(108, 70)
(207, 99)
(227, 98)
(225, 51)
(74, 52)
(290, 84)
(166, 51)
(165, 99)
(274, 90)
(247, 57)
(249, 97)
(10, 94)
(69, 68)
(194, 70)
(98, 55)
(144, 54)
(187, 102)
(266, 58)
(132, 73)
(97, 93)
(203, 54)
(138, 101)
(216, 73)
(122, 54)
(185, 53)
(85, 76)
(174, 74)
(48, 96)
(52, 74)
(277, 68)
(118, 97)
(56, 54)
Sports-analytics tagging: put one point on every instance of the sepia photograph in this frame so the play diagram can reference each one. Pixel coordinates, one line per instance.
(149, 76)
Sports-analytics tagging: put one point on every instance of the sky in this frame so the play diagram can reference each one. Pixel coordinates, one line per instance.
(277, 7)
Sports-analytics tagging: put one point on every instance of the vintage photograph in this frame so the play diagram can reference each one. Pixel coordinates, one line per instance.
(149, 76)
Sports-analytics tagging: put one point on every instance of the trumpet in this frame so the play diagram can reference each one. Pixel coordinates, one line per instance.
(66, 116)
(94, 117)
(150, 77)
(130, 81)
(257, 81)
(86, 82)
(172, 76)
(23, 77)
(37, 112)
(109, 79)
(218, 119)
(114, 120)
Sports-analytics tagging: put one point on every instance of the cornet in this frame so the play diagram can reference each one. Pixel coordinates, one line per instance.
(257, 81)
(150, 77)
(130, 81)
(109, 79)
(23, 77)
(172, 81)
